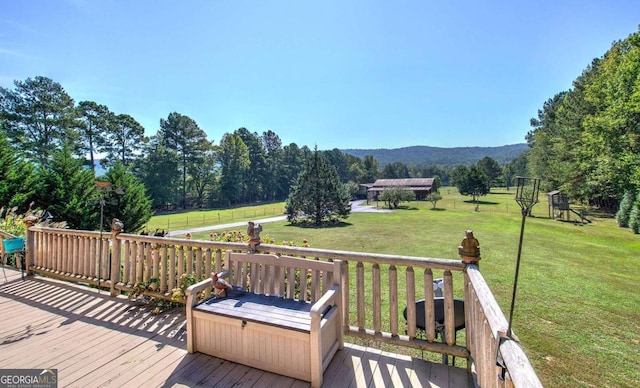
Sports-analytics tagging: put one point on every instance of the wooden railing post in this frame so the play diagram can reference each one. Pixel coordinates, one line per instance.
(29, 245)
(116, 229)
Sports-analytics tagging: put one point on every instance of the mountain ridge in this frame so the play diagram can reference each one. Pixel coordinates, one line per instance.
(440, 156)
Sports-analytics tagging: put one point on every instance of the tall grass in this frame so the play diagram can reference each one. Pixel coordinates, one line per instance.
(577, 310)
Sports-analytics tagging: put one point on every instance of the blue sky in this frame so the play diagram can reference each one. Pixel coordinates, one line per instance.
(336, 74)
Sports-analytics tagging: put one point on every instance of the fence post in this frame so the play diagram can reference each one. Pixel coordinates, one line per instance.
(116, 228)
(29, 244)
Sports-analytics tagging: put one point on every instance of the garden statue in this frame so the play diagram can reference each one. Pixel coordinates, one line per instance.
(117, 226)
(469, 249)
(220, 286)
(253, 231)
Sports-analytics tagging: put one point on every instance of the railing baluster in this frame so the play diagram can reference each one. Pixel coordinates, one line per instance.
(393, 300)
(360, 302)
(218, 263)
(429, 313)
(199, 265)
(377, 302)
(449, 312)
(162, 258)
(345, 293)
(190, 267)
(180, 263)
(92, 258)
(139, 255)
(411, 302)
(315, 283)
(75, 253)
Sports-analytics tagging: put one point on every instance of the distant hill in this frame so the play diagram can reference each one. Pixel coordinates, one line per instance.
(430, 156)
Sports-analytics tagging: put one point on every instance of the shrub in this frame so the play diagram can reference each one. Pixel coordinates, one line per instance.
(634, 217)
(624, 211)
(12, 222)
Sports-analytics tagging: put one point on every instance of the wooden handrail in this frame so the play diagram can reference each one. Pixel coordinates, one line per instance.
(383, 286)
(486, 324)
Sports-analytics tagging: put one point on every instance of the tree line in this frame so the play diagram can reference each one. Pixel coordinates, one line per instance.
(585, 141)
(45, 132)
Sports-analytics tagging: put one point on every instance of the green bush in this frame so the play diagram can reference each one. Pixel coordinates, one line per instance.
(624, 211)
(634, 217)
(11, 222)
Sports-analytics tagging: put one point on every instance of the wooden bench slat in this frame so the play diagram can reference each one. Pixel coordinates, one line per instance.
(272, 310)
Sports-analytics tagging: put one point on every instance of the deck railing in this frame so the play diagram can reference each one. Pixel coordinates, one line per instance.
(377, 289)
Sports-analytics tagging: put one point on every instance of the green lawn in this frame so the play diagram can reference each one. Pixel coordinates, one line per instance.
(194, 219)
(578, 303)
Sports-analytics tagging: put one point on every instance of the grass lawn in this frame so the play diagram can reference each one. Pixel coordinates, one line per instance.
(194, 219)
(578, 303)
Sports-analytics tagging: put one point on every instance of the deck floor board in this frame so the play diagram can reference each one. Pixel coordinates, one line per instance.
(99, 341)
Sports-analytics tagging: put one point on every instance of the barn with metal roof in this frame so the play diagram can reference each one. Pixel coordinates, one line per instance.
(420, 186)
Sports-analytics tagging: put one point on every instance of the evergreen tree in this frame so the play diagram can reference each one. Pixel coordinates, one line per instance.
(125, 139)
(490, 169)
(253, 180)
(182, 135)
(93, 124)
(624, 211)
(634, 217)
(38, 117)
(371, 169)
(293, 158)
(234, 161)
(473, 183)
(317, 193)
(395, 170)
(70, 191)
(18, 181)
(133, 207)
(274, 157)
(158, 170)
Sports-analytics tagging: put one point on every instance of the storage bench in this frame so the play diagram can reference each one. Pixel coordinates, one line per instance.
(283, 316)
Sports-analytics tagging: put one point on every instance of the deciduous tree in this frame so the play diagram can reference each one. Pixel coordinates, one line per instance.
(395, 195)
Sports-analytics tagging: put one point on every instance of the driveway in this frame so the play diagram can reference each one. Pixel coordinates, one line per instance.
(356, 207)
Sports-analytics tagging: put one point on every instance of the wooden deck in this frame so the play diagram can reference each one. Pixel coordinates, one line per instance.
(97, 341)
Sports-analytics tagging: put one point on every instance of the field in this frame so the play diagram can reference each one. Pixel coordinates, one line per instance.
(577, 309)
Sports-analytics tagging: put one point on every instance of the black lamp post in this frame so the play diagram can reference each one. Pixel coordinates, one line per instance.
(526, 196)
(104, 188)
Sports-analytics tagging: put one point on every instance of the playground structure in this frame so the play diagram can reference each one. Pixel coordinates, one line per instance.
(559, 207)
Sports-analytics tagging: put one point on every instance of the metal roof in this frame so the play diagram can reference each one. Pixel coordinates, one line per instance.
(415, 184)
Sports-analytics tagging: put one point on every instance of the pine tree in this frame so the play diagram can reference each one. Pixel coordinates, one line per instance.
(624, 211)
(634, 217)
(133, 207)
(18, 181)
(69, 191)
(317, 194)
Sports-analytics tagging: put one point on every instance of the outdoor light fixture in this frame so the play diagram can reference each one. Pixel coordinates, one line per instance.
(104, 187)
